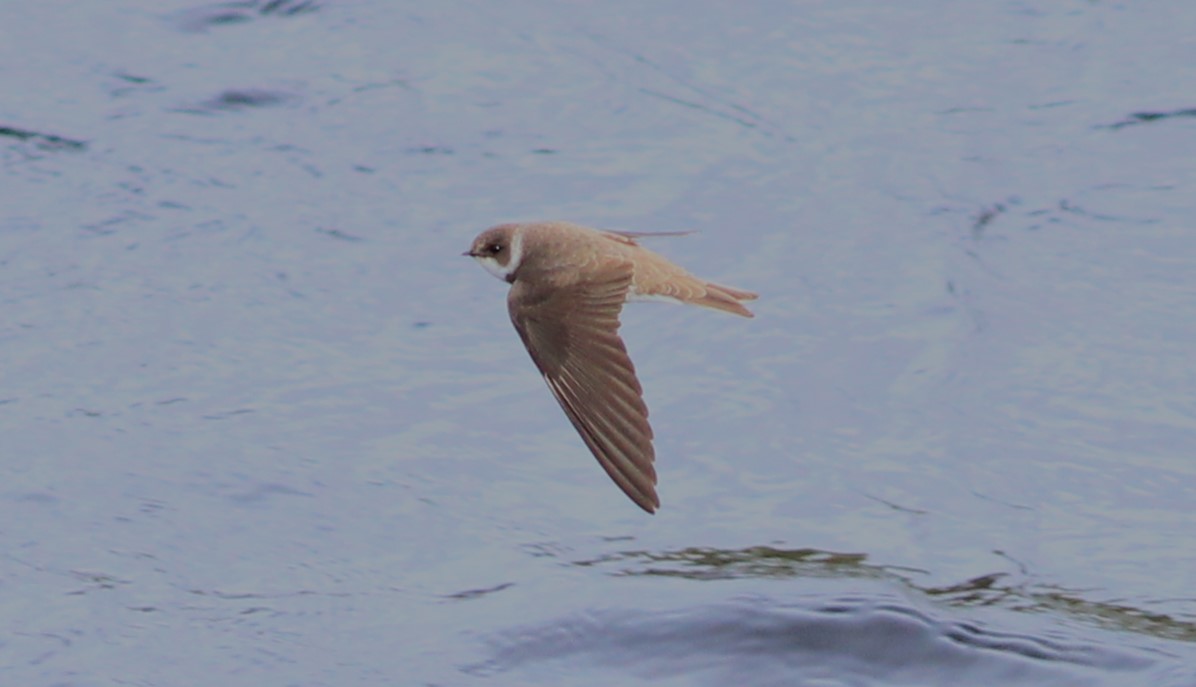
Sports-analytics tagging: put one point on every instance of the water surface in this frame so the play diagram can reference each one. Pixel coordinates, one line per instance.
(264, 425)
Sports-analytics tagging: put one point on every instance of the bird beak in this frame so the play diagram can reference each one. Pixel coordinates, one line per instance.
(468, 253)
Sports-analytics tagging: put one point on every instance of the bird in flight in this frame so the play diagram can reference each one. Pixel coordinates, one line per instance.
(568, 286)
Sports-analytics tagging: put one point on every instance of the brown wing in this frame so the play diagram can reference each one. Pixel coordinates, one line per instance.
(631, 236)
(572, 334)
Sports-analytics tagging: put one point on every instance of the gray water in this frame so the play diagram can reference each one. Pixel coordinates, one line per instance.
(263, 425)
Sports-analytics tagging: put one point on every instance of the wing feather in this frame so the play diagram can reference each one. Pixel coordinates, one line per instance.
(572, 334)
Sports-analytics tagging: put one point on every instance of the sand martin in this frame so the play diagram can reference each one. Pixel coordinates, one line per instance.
(568, 285)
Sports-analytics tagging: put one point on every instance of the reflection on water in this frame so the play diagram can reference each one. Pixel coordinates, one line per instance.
(995, 589)
(702, 563)
(858, 641)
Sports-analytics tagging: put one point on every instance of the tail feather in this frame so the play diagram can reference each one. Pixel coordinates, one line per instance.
(726, 299)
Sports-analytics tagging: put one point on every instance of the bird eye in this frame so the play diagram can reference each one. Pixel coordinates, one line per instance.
(494, 249)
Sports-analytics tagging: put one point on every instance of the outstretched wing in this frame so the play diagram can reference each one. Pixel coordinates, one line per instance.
(572, 334)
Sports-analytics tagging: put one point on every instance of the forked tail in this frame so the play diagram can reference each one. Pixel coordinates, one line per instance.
(726, 299)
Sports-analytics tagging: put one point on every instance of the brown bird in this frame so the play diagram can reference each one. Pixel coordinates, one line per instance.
(568, 286)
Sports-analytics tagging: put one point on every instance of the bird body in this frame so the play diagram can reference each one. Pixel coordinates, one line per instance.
(568, 286)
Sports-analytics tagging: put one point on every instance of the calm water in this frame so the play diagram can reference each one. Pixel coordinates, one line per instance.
(263, 425)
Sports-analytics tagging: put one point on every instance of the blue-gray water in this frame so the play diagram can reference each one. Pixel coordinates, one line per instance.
(263, 425)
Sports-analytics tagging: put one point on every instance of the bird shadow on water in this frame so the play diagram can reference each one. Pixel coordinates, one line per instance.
(880, 639)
